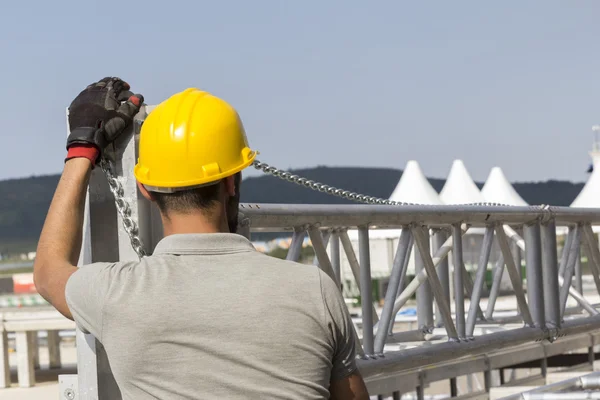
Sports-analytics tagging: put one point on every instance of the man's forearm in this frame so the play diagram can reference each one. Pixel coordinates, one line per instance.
(60, 241)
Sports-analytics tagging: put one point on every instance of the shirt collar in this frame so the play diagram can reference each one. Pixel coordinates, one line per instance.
(203, 244)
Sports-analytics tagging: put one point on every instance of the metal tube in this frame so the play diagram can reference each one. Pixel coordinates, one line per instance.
(459, 291)
(335, 255)
(593, 254)
(468, 285)
(296, 245)
(411, 243)
(484, 257)
(424, 295)
(404, 360)
(550, 275)
(514, 275)
(443, 271)
(569, 257)
(366, 289)
(495, 290)
(395, 277)
(578, 274)
(268, 216)
(354, 266)
(422, 241)
(321, 253)
(566, 249)
(535, 291)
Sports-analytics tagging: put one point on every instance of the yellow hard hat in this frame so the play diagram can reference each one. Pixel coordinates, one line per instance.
(191, 139)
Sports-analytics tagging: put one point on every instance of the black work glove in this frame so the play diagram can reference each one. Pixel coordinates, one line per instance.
(97, 117)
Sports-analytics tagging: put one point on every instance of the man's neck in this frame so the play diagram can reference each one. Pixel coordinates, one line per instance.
(193, 223)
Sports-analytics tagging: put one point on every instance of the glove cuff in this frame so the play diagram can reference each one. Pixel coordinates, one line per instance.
(87, 135)
(88, 151)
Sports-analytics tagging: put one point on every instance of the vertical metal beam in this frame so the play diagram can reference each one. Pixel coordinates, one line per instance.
(422, 241)
(569, 258)
(355, 267)
(578, 274)
(459, 290)
(514, 275)
(564, 257)
(296, 245)
(335, 255)
(366, 290)
(480, 278)
(424, 295)
(495, 290)
(593, 254)
(550, 275)
(535, 290)
(321, 253)
(443, 271)
(395, 277)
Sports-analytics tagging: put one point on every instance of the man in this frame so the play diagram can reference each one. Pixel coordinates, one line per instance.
(206, 316)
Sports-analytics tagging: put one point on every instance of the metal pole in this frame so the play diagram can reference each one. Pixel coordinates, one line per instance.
(484, 257)
(578, 274)
(459, 291)
(495, 290)
(355, 267)
(535, 290)
(593, 254)
(443, 271)
(569, 257)
(513, 273)
(566, 251)
(424, 295)
(296, 245)
(422, 241)
(321, 253)
(550, 275)
(395, 277)
(366, 289)
(411, 243)
(335, 255)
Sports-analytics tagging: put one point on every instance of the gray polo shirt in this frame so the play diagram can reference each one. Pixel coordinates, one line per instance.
(208, 316)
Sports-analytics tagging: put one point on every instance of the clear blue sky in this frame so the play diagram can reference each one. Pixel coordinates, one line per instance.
(340, 83)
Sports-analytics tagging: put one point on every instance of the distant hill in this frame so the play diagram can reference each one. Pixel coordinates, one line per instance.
(24, 202)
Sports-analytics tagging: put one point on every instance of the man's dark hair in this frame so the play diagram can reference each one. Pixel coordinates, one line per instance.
(201, 198)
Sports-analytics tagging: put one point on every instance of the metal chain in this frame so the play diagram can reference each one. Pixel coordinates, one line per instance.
(123, 208)
(345, 194)
(130, 225)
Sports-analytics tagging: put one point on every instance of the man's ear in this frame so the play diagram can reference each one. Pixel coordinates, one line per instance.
(230, 186)
(147, 195)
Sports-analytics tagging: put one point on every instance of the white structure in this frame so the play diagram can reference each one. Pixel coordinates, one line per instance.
(497, 189)
(589, 197)
(459, 187)
(413, 187)
(590, 194)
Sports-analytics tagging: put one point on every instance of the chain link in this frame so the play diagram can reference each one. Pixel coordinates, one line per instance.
(123, 208)
(345, 194)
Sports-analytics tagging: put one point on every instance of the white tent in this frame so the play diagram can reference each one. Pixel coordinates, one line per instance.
(590, 194)
(497, 189)
(459, 187)
(414, 187)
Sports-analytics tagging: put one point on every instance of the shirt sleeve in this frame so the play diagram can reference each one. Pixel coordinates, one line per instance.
(86, 293)
(341, 327)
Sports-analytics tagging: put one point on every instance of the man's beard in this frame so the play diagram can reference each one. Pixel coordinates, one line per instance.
(233, 206)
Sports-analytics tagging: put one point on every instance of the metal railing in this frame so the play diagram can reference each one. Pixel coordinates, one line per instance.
(460, 332)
